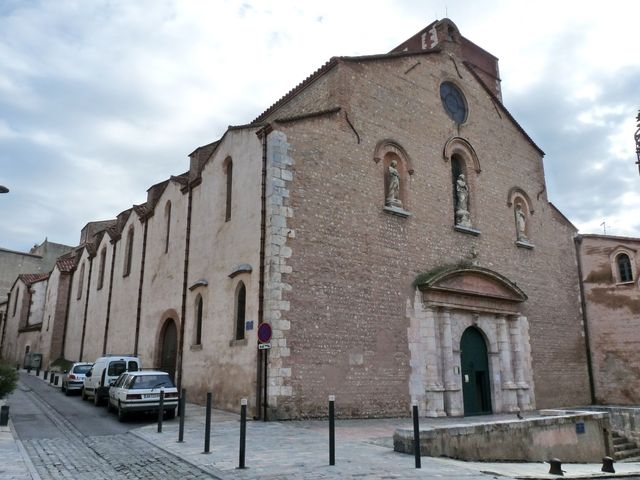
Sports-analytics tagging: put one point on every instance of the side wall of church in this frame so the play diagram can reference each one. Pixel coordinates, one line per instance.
(124, 295)
(613, 315)
(352, 264)
(10, 350)
(220, 363)
(76, 310)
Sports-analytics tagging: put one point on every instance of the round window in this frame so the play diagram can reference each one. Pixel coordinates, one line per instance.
(453, 102)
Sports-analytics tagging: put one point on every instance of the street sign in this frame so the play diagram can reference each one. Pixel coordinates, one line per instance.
(264, 332)
(264, 346)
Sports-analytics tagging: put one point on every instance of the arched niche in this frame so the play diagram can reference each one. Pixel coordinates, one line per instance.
(461, 147)
(387, 154)
(514, 193)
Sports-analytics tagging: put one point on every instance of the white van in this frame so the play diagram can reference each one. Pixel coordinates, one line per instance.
(104, 372)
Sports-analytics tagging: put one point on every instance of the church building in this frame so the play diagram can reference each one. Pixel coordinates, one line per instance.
(388, 218)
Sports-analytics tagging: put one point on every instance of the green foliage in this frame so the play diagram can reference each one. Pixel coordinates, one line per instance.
(8, 379)
(61, 365)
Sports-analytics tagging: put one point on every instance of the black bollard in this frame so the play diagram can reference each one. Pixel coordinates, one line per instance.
(207, 424)
(46, 373)
(38, 372)
(555, 467)
(29, 370)
(161, 410)
(4, 415)
(607, 465)
(416, 437)
(55, 380)
(181, 402)
(51, 377)
(17, 367)
(332, 430)
(243, 431)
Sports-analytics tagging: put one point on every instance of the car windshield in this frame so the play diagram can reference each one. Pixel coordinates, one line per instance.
(152, 381)
(133, 366)
(81, 368)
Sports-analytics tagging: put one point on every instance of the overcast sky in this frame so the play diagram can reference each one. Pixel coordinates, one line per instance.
(101, 99)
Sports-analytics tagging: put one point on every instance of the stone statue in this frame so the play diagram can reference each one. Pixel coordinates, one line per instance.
(393, 194)
(521, 223)
(462, 202)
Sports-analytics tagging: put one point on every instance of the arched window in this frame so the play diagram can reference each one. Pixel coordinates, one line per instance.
(80, 282)
(624, 268)
(241, 299)
(229, 174)
(126, 270)
(198, 325)
(15, 302)
(167, 219)
(103, 260)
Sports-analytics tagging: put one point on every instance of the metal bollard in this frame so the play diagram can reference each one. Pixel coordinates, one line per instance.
(416, 437)
(52, 377)
(38, 372)
(207, 424)
(55, 380)
(181, 402)
(161, 410)
(555, 467)
(607, 465)
(4, 415)
(332, 430)
(29, 370)
(243, 431)
(46, 374)
(17, 367)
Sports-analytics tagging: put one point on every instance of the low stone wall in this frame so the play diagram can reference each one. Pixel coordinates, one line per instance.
(624, 420)
(571, 437)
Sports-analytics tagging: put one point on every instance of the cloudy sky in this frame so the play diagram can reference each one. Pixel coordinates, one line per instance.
(101, 99)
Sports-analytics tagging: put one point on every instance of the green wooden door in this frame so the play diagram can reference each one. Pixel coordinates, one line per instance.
(476, 390)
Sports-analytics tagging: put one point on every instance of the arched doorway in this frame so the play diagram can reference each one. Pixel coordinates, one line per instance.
(476, 390)
(169, 347)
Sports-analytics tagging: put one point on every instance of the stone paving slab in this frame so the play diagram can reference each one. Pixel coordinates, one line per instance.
(14, 461)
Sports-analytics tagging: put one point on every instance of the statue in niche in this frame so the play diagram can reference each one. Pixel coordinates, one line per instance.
(521, 224)
(393, 194)
(462, 202)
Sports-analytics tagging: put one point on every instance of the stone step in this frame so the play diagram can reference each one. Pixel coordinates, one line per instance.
(624, 446)
(634, 452)
(619, 440)
(630, 459)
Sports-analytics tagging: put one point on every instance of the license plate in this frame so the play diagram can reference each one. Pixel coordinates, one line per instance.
(151, 395)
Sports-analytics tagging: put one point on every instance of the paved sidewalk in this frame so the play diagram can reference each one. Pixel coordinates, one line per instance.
(364, 449)
(14, 461)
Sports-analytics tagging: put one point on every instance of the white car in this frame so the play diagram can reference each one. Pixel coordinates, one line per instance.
(104, 373)
(140, 392)
(73, 379)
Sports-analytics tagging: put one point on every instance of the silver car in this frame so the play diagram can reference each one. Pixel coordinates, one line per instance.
(73, 379)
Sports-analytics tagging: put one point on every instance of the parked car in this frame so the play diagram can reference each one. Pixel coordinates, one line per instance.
(73, 379)
(140, 392)
(104, 372)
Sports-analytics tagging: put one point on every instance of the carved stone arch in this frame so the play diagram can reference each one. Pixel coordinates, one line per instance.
(515, 192)
(390, 146)
(460, 146)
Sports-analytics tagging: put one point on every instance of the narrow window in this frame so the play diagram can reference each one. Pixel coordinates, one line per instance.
(80, 282)
(624, 268)
(167, 218)
(103, 259)
(15, 302)
(241, 298)
(127, 253)
(229, 172)
(198, 329)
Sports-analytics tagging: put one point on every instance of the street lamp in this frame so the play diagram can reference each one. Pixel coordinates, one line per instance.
(3, 189)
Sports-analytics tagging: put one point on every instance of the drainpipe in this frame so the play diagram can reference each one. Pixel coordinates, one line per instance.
(86, 308)
(185, 279)
(140, 284)
(262, 360)
(587, 342)
(106, 324)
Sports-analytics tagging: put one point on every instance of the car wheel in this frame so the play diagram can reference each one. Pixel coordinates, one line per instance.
(62, 388)
(121, 414)
(96, 398)
(109, 406)
(66, 390)
(170, 414)
(83, 394)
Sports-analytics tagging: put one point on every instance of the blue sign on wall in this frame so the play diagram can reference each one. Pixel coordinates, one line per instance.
(248, 325)
(580, 427)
